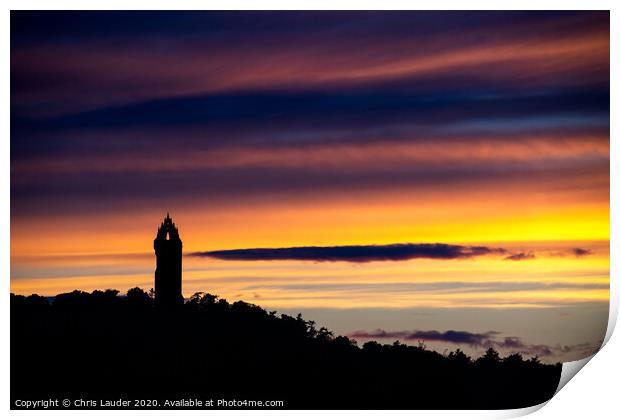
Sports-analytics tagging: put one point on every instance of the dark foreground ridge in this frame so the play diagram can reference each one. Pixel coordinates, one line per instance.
(101, 346)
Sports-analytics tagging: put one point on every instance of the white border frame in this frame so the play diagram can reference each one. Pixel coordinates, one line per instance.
(594, 395)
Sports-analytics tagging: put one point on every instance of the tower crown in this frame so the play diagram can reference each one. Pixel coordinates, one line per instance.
(167, 230)
(168, 273)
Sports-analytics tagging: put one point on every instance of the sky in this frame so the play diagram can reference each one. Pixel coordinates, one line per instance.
(416, 176)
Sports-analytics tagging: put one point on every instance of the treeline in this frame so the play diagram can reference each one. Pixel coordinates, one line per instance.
(102, 345)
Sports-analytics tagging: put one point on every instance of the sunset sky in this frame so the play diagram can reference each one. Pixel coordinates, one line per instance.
(344, 145)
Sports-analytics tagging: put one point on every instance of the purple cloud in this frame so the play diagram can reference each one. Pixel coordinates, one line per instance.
(487, 339)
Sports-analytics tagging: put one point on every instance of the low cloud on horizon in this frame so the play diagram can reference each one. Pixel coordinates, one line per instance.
(485, 340)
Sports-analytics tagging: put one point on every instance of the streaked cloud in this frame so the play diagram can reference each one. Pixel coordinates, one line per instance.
(256, 51)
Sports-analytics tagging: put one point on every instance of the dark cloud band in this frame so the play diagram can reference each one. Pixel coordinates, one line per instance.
(370, 253)
(355, 253)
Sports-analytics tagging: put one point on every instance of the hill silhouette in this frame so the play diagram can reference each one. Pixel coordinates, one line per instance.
(102, 345)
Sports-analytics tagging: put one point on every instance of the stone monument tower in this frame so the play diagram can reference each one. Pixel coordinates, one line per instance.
(168, 274)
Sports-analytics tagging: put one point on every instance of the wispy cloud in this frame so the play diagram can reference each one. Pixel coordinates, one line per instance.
(424, 287)
(581, 252)
(521, 256)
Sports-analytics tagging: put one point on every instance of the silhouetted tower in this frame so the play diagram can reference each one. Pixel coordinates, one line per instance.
(168, 251)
